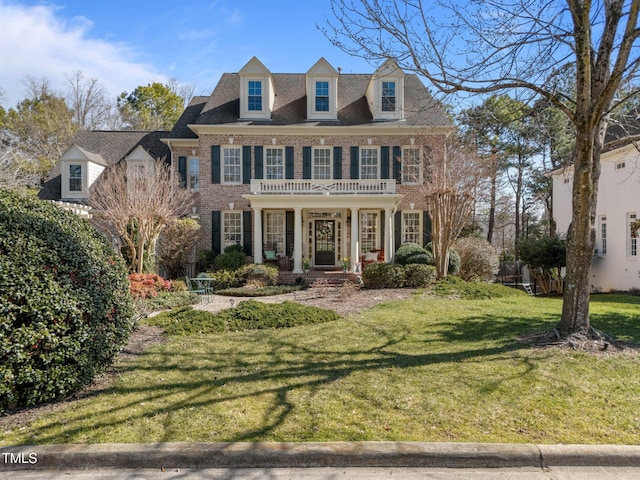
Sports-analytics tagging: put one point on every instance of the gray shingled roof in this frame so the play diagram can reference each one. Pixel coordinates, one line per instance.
(107, 148)
(189, 116)
(290, 106)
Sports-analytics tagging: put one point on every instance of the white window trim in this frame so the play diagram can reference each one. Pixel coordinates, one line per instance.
(377, 243)
(420, 227)
(224, 213)
(420, 164)
(222, 150)
(631, 217)
(264, 161)
(267, 98)
(603, 242)
(378, 163)
(313, 161)
(189, 161)
(283, 225)
(66, 187)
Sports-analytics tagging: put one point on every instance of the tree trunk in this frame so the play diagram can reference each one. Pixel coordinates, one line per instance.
(492, 199)
(581, 236)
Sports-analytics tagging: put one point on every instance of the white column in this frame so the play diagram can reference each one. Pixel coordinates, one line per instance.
(257, 235)
(297, 240)
(355, 237)
(388, 235)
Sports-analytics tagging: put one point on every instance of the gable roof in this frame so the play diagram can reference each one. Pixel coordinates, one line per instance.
(107, 148)
(223, 106)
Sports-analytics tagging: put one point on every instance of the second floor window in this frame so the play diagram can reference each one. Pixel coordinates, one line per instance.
(75, 178)
(322, 163)
(632, 244)
(254, 103)
(274, 165)
(232, 165)
(322, 96)
(388, 96)
(369, 163)
(194, 173)
(411, 165)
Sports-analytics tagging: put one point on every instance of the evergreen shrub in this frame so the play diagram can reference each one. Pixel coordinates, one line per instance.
(65, 306)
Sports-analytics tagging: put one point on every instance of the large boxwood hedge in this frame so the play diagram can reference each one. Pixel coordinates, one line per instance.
(65, 307)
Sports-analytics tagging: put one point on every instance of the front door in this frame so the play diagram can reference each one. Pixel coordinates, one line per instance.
(325, 233)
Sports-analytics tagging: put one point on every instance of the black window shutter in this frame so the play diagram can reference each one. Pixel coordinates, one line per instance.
(216, 232)
(355, 163)
(426, 228)
(306, 162)
(182, 171)
(397, 165)
(246, 231)
(258, 163)
(290, 233)
(288, 162)
(384, 162)
(215, 164)
(397, 227)
(337, 163)
(246, 164)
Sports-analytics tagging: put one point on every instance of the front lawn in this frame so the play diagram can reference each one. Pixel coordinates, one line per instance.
(423, 369)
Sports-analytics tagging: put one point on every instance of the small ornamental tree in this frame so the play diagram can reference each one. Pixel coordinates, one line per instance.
(65, 307)
(545, 257)
(479, 260)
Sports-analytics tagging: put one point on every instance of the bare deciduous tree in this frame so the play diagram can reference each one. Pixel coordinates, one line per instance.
(483, 46)
(137, 205)
(89, 102)
(449, 190)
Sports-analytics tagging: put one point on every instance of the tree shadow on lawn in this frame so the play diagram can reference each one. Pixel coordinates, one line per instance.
(278, 368)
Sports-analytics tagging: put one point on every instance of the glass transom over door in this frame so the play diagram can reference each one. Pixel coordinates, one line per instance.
(325, 233)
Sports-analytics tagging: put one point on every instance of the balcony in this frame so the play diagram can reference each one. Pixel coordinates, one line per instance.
(323, 187)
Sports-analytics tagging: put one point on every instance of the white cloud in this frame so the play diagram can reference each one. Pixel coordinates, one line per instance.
(36, 42)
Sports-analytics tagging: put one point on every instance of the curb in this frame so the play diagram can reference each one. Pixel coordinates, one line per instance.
(308, 455)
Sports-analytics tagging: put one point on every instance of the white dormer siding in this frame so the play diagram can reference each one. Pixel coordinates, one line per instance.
(79, 171)
(140, 163)
(322, 91)
(385, 93)
(256, 91)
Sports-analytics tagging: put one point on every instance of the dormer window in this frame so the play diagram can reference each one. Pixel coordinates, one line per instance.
(385, 92)
(257, 93)
(322, 96)
(322, 91)
(388, 96)
(254, 100)
(75, 177)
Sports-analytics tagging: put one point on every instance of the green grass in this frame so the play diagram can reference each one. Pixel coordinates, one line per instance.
(423, 369)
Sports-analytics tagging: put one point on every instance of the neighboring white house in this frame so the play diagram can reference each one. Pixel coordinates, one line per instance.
(615, 264)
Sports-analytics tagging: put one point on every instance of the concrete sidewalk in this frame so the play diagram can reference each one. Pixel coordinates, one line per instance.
(313, 455)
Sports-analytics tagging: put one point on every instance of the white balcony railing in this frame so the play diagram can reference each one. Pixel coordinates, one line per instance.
(323, 187)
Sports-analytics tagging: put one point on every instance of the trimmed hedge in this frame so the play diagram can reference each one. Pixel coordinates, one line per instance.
(412, 253)
(65, 306)
(390, 275)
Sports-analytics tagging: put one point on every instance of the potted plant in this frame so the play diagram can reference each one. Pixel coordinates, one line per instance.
(305, 265)
(345, 264)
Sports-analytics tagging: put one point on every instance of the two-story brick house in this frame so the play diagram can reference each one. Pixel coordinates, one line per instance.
(320, 165)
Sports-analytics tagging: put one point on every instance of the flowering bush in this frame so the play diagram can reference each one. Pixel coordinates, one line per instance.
(148, 285)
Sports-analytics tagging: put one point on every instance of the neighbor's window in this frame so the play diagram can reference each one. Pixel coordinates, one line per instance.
(75, 178)
(603, 235)
(632, 242)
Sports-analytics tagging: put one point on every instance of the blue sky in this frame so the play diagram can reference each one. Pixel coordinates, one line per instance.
(124, 44)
